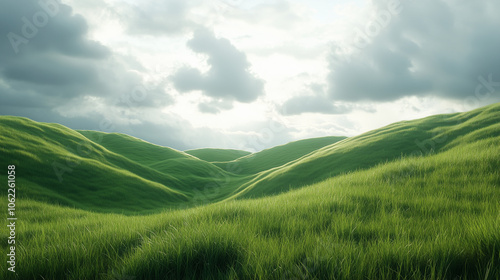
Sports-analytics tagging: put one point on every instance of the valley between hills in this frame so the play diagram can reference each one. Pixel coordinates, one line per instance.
(413, 200)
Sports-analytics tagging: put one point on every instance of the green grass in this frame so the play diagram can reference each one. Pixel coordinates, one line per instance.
(217, 155)
(375, 206)
(59, 165)
(277, 156)
(409, 138)
(432, 217)
(89, 169)
(133, 148)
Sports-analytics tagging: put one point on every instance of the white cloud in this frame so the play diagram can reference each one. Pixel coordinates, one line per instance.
(85, 67)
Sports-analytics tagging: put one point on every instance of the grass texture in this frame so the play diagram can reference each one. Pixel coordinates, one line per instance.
(413, 200)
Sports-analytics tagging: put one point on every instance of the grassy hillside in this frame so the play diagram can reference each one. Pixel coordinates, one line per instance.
(434, 216)
(430, 135)
(62, 166)
(214, 155)
(201, 181)
(133, 148)
(277, 156)
(59, 165)
(87, 169)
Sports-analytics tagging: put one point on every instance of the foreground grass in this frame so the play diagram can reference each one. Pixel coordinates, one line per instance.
(433, 217)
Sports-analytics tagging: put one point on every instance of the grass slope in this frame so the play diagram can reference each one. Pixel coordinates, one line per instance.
(133, 148)
(216, 155)
(89, 169)
(434, 216)
(434, 134)
(277, 156)
(59, 165)
(201, 181)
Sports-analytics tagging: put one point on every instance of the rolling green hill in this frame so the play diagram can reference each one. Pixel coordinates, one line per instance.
(85, 169)
(133, 148)
(195, 178)
(277, 156)
(428, 216)
(430, 135)
(89, 169)
(60, 165)
(413, 200)
(215, 155)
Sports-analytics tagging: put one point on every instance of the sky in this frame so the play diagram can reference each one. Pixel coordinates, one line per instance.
(245, 74)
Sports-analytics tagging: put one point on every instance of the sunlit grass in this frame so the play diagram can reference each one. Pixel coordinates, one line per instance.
(434, 217)
(413, 200)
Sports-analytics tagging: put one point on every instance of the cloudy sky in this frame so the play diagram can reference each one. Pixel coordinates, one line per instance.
(245, 74)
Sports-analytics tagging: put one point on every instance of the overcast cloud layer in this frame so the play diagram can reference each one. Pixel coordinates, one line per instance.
(428, 47)
(245, 74)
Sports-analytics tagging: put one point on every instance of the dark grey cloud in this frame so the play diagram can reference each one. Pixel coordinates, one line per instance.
(50, 70)
(29, 99)
(44, 26)
(314, 100)
(430, 47)
(229, 77)
(47, 60)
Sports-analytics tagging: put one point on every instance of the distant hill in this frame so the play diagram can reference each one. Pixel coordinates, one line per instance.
(122, 174)
(412, 200)
(59, 165)
(133, 148)
(215, 155)
(277, 156)
(426, 136)
(430, 213)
